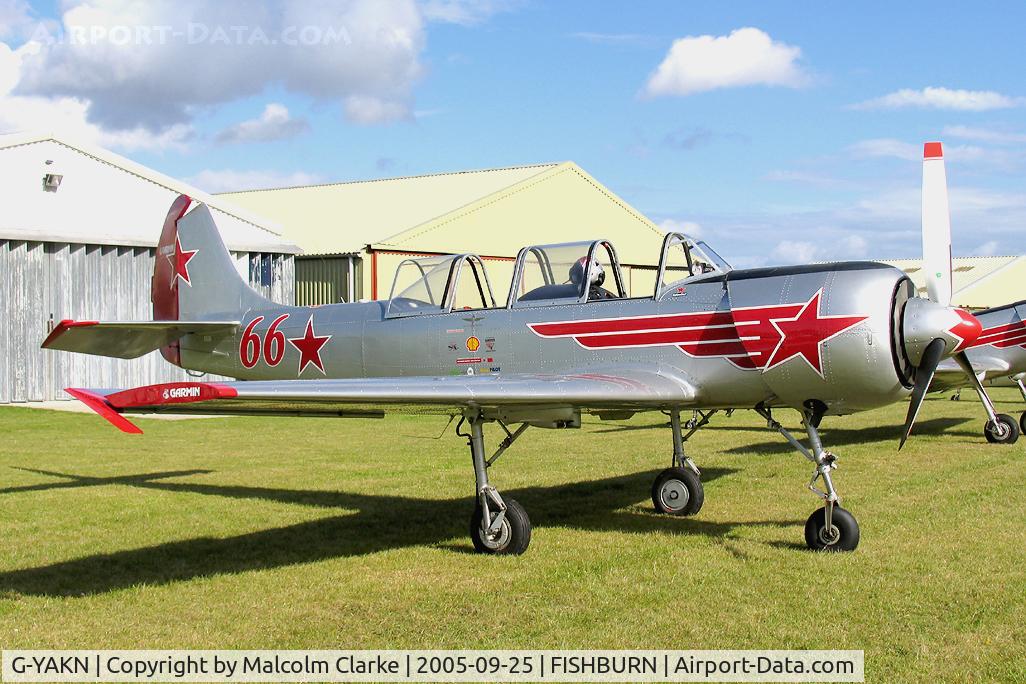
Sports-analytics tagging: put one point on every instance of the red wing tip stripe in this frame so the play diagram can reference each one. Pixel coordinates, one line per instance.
(100, 404)
(170, 393)
(63, 327)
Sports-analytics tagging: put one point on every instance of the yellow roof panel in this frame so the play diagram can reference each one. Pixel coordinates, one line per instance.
(563, 204)
(977, 282)
(345, 217)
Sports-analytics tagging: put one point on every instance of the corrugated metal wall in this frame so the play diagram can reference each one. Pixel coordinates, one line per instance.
(42, 280)
(325, 280)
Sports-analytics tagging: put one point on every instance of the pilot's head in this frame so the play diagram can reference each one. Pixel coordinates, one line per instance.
(580, 269)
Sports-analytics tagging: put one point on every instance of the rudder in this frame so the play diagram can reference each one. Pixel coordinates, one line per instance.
(194, 276)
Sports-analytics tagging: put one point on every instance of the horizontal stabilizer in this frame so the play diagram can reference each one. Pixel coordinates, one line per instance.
(130, 339)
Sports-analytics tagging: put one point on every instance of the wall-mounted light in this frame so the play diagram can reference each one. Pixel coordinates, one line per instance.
(52, 181)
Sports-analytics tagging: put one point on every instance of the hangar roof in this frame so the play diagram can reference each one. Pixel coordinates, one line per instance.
(494, 212)
(346, 217)
(977, 282)
(105, 199)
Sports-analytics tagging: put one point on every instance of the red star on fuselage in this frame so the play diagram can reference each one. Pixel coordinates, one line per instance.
(309, 346)
(805, 334)
(180, 263)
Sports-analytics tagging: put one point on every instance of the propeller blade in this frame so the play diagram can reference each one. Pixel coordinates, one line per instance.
(936, 225)
(932, 356)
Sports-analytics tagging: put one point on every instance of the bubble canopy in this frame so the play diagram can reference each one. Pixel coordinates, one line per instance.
(543, 275)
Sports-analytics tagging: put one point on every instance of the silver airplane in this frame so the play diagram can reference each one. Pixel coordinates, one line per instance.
(826, 339)
(998, 355)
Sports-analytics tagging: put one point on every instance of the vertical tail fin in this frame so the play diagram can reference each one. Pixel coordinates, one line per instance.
(194, 277)
(936, 225)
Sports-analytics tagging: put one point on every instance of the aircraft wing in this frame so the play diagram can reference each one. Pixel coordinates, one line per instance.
(127, 340)
(950, 376)
(622, 389)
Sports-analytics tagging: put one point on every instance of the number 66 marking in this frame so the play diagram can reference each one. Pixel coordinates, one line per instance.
(273, 343)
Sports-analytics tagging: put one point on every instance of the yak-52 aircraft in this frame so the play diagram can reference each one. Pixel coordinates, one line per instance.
(999, 353)
(825, 339)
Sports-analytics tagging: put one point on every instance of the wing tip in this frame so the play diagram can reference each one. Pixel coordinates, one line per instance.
(99, 404)
(62, 328)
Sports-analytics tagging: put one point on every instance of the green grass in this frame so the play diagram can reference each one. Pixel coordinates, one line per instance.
(291, 533)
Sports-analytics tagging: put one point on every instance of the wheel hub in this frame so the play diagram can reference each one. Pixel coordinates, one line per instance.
(830, 536)
(674, 495)
(497, 540)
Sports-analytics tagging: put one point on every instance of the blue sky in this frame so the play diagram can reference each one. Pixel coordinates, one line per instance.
(779, 131)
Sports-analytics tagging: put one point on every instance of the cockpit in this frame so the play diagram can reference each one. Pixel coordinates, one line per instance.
(572, 272)
(545, 275)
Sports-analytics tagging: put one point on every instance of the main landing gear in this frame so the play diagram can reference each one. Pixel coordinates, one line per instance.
(830, 528)
(999, 428)
(678, 489)
(498, 525)
(1022, 417)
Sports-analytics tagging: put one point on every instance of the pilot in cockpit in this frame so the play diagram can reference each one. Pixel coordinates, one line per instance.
(578, 272)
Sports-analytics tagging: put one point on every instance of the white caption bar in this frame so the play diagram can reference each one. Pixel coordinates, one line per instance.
(433, 666)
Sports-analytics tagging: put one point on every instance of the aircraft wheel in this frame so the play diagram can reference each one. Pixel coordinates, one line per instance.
(1022, 422)
(678, 491)
(1005, 432)
(843, 535)
(513, 536)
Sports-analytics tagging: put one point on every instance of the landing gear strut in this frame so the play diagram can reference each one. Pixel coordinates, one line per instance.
(999, 428)
(678, 489)
(1022, 416)
(498, 525)
(830, 528)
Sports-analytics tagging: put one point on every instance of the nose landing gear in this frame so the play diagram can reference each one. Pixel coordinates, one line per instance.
(830, 528)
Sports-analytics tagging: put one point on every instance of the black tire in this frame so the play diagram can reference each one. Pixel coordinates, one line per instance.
(514, 537)
(1008, 435)
(678, 491)
(1022, 423)
(846, 528)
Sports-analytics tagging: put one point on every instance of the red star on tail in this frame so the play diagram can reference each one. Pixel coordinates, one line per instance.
(309, 346)
(805, 334)
(180, 263)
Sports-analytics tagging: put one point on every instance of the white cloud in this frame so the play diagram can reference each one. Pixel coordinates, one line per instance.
(880, 148)
(228, 180)
(689, 228)
(366, 109)
(983, 135)
(15, 17)
(795, 252)
(942, 98)
(746, 57)
(988, 248)
(275, 123)
(465, 12)
(885, 147)
(153, 63)
(848, 248)
(68, 116)
(853, 247)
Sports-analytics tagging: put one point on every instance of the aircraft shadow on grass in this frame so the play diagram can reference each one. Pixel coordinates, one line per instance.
(833, 437)
(379, 523)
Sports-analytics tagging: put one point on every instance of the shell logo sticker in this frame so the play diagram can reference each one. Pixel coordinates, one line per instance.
(473, 344)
